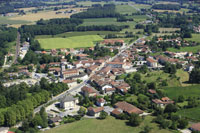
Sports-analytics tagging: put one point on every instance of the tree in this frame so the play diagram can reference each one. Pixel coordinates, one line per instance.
(170, 108)
(2, 120)
(82, 111)
(135, 120)
(147, 129)
(182, 123)
(174, 125)
(10, 117)
(43, 115)
(103, 115)
(181, 98)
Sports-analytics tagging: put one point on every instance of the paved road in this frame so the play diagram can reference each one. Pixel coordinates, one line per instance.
(17, 48)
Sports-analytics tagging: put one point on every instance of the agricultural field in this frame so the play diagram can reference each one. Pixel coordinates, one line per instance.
(90, 3)
(45, 15)
(193, 49)
(191, 113)
(8, 20)
(73, 34)
(195, 37)
(188, 91)
(125, 9)
(70, 42)
(109, 125)
(138, 18)
(184, 77)
(169, 29)
(142, 6)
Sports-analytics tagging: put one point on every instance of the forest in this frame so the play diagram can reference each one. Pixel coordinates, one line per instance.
(166, 6)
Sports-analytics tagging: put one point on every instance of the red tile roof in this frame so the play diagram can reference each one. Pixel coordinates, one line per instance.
(96, 110)
(195, 126)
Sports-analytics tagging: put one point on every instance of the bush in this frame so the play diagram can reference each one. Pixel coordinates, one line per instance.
(103, 115)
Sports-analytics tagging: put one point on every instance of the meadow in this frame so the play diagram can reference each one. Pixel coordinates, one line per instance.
(195, 37)
(188, 91)
(141, 6)
(193, 49)
(191, 113)
(125, 9)
(69, 42)
(109, 125)
(8, 20)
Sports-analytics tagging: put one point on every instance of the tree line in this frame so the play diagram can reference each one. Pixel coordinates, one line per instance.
(17, 104)
(98, 11)
(166, 6)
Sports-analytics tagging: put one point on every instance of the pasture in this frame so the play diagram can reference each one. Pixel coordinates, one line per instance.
(8, 20)
(188, 91)
(109, 125)
(142, 6)
(70, 42)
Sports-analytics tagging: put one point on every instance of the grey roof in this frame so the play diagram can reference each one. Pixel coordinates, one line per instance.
(68, 98)
(3, 129)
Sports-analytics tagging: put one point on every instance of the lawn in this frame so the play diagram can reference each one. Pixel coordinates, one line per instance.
(73, 34)
(195, 37)
(191, 113)
(193, 49)
(70, 42)
(188, 91)
(109, 125)
(125, 9)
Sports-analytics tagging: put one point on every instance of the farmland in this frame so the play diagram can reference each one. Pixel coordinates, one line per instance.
(70, 42)
(125, 9)
(109, 125)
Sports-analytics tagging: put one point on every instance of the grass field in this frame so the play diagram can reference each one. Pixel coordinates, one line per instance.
(90, 3)
(192, 113)
(138, 18)
(168, 29)
(184, 77)
(141, 6)
(195, 37)
(193, 49)
(174, 92)
(73, 34)
(70, 42)
(155, 75)
(109, 125)
(8, 20)
(125, 9)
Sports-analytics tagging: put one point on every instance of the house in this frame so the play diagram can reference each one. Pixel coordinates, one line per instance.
(68, 102)
(162, 102)
(109, 91)
(115, 64)
(100, 102)
(116, 112)
(88, 91)
(195, 127)
(112, 42)
(95, 111)
(4, 129)
(69, 73)
(82, 56)
(151, 62)
(128, 108)
(152, 91)
(91, 69)
(55, 120)
(189, 68)
(70, 82)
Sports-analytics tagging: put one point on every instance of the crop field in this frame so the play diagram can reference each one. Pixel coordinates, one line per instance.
(125, 9)
(8, 20)
(195, 37)
(90, 3)
(138, 18)
(70, 42)
(169, 29)
(45, 15)
(191, 113)
(141, 6)
(188, 91)
(109, 125)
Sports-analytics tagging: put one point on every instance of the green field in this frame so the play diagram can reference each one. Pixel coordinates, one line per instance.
(7, 20)
(109, 125)
(125, 9)
(193, 49)
(192, 113)
(138, 18)
(195, 37)
(189, 91)
(158, 76)
(141, 6)
(184, 77)
(70, 42)
(73, 34)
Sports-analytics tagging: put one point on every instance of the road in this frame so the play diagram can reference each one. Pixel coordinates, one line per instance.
(74, 89)
(17, 48)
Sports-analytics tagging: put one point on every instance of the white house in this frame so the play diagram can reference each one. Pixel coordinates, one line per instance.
(69, 102)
